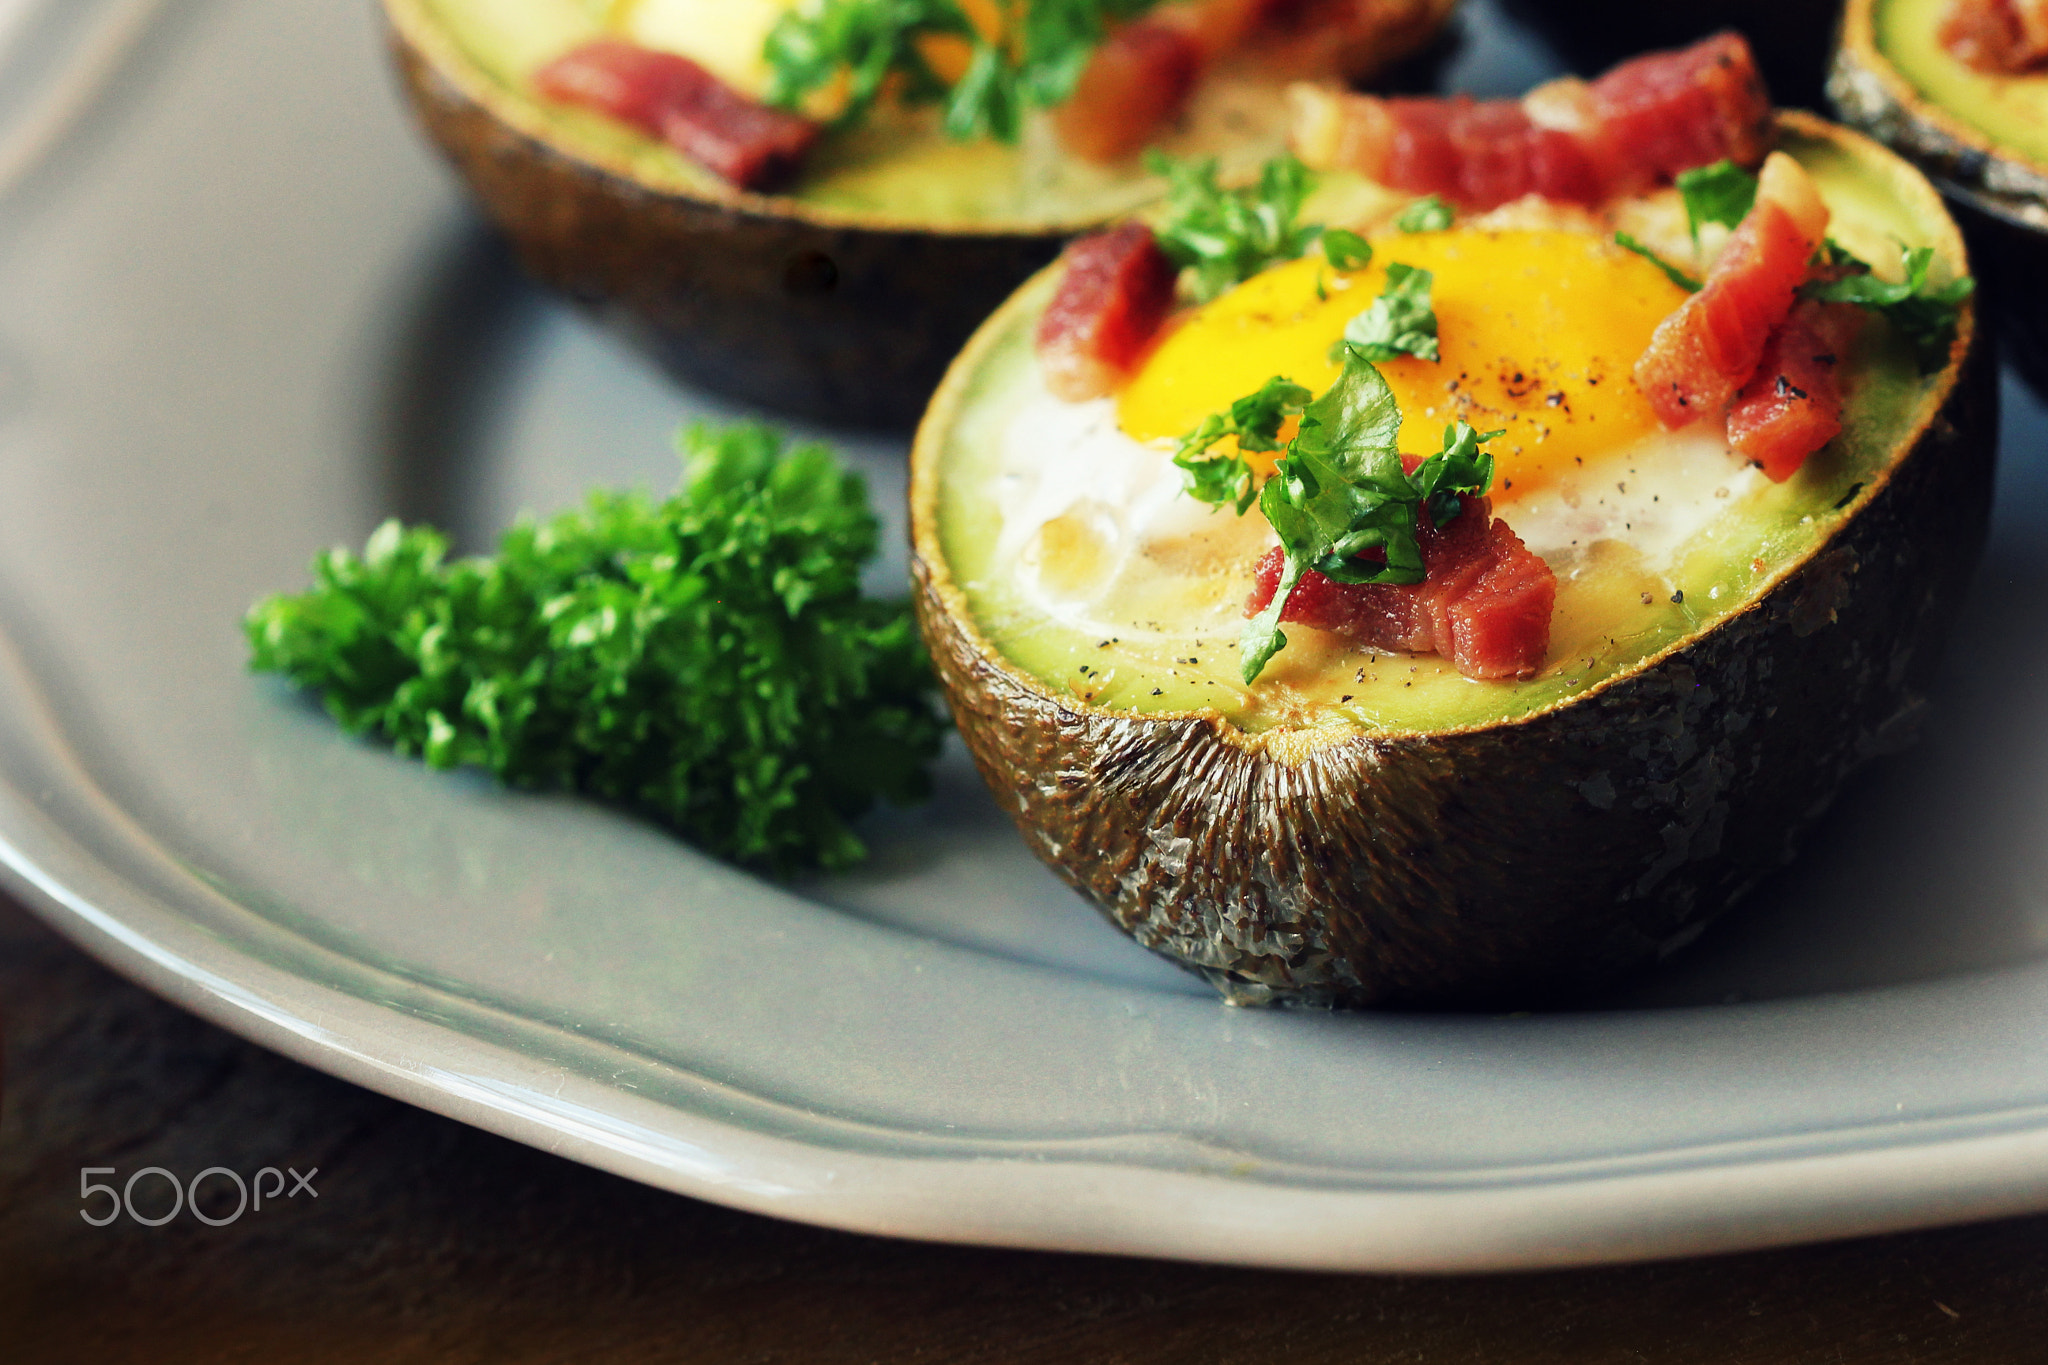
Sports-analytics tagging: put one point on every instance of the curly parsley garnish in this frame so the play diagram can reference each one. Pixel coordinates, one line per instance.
(1401, 321)
(708, 659)
(1032, 62)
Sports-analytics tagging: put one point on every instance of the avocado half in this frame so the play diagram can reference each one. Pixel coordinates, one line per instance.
(1598, 816)
(842, 300)
(1983, 138)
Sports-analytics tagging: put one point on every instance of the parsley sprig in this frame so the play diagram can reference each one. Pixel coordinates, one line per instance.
(1222, 237)
(1255, 421)
(1032, 63)
(708, 659)
(1924, 313)
(1401, 321)
(1340, 491)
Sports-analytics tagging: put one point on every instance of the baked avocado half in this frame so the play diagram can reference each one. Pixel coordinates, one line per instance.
(842, 297)
(1376, 830)
(1982, 136)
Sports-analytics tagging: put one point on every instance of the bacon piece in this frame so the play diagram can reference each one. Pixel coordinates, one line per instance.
(1143, 75)
(1484, 603)
(1641, 123)
(1793, 405)
(1667, 112)
(2005, 37)
(1707, 349)
(672, 98)
(1116, 291)
(1136, 82)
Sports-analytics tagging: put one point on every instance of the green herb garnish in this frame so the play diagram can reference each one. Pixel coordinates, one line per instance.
(1925, 314)
(708, 659)
(1671, 272)
(1427, 214)
(1340, 491)
(1721, 193)
(1345, 249)
(1255, 420)
(1224, 237)
(1401, 321)
(1043, 48)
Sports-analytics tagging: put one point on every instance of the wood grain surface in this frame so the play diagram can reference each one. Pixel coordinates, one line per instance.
(430, 1241)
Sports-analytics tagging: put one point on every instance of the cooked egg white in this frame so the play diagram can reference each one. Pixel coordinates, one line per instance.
(726, 37)
(1539, 331)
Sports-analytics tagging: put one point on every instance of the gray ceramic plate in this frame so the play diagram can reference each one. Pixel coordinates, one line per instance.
(243, 317)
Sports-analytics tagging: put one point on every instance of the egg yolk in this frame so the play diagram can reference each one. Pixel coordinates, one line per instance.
(1538, 332)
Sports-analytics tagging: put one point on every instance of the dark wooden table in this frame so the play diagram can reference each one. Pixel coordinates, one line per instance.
(430, 1241)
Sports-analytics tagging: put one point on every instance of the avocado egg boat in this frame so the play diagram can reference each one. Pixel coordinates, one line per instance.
(1922, 77)
(1367, 826)
(843, 270)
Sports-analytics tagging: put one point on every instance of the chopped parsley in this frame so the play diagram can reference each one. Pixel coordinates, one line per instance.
(1427, 214)
(1032, 62)
(1340, 491)
(1345, 249)
(1224, 237)
(1923, 313)
(1255, 421)
(708, 659)
(1671, 272)
(1721, 193)
(1401, 321)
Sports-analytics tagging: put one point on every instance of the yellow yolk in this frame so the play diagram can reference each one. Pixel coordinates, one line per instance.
(1538, 330)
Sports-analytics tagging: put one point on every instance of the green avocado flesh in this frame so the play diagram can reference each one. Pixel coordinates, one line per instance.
(1614, 611)
(2011, 111)
(897, 168)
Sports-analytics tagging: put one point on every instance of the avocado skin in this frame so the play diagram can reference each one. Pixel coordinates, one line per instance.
(848, 325)
(1516, 865)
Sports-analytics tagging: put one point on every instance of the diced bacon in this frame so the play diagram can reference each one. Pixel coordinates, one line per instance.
(2006, 37)
(1793, 405)
(1135, 83)
(1116, 291)
(1640, 124)
(672, 98)
(1709, 347)
(1485, 602)
(1667, 112)
(1142, 76)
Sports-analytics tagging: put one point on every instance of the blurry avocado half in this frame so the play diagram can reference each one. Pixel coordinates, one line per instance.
(842, 298)
(1983, 137)
(1503, 844)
